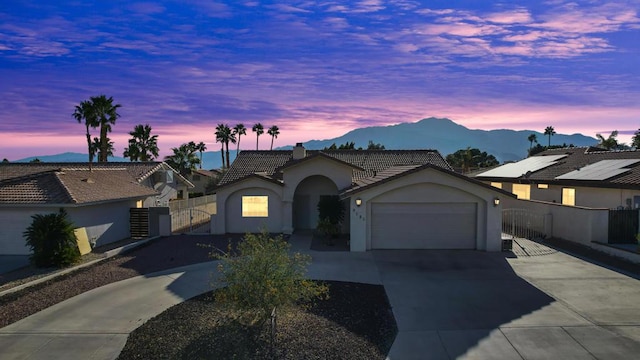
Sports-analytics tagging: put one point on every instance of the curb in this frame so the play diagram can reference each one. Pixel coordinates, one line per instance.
(106, 255)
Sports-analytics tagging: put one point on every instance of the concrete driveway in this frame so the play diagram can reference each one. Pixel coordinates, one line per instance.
(447, 304)
(474, 305)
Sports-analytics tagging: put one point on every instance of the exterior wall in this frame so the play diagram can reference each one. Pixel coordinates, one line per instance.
(574, 223)
(105, 223)
(200, 184)
(430, 186)
(228, 217)
(585, 196)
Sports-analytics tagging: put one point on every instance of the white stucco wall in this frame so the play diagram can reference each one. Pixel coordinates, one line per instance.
(306, 198)
(105, 223)
(429, 185)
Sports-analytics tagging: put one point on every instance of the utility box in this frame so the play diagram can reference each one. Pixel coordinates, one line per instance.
(507, 244)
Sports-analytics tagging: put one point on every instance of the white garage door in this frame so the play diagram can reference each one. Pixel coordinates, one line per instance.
(423, 226)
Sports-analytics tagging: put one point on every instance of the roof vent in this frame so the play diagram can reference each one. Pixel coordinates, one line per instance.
(299, 152)
(88, 180)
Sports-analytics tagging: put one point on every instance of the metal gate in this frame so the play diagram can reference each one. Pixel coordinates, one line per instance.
(522, 223)
(623, 226)
(192, 221)
(139, 222)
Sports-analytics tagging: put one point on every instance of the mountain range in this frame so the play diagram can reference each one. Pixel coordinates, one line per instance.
(443, 135)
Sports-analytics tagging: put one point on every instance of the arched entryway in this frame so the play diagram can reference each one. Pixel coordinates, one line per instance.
(305, 200)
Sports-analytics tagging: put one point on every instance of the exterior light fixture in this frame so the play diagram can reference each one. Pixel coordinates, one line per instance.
(358, 202)
(496, 201)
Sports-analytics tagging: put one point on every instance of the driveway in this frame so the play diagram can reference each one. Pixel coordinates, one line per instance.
(475, 305)
(447, 304)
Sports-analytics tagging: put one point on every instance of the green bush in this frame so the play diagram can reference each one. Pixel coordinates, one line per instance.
(52, 240)
(264, 276)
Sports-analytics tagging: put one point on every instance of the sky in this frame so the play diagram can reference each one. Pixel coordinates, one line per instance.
(315, 69)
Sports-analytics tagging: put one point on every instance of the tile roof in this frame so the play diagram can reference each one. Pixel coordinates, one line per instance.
(367, 162)
(579, 157)
(73, 183)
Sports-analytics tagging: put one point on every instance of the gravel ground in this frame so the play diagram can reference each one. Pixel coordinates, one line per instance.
(355, 322)
(161, 254)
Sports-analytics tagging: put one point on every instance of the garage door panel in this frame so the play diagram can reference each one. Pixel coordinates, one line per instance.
(424, 226)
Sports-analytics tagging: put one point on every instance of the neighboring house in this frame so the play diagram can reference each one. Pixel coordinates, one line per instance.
(394, 199)
(579, 176)
(97, 200)
(201, 178)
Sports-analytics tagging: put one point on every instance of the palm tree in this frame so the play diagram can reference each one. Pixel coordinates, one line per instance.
(84, 112)
(201, 148)
(97, 143)
(274, 132)
(239, 130)
(610, 142)
(259, 130)
(220, 137)
(105, 114)
(184, 158)
(532, 138)
(142, 145)
(549, 131)
(635, 140)
(229, 137)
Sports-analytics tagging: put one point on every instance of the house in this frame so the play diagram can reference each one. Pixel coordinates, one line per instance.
(394, 199)
(98, 200)
(578, 176)
(201, 179)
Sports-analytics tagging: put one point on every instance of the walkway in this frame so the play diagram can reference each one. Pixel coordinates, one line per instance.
(448, 305)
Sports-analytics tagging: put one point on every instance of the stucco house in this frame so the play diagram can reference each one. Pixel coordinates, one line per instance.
(394, 199)
(98, 200)
(201, 178)
(579, 176)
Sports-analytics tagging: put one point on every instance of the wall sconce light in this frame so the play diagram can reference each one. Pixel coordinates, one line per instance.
(496, 201)
(358, 202)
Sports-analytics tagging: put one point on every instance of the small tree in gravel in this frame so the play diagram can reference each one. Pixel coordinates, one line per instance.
(52, 240)
(264, 276)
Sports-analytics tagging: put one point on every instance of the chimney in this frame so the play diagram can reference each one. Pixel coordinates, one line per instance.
(299, 152)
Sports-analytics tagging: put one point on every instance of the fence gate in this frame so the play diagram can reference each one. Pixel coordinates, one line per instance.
(623, 226)
(193, 221)
(139, 222)
(522, 223)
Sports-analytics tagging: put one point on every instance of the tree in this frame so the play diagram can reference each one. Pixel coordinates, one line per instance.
(635, 140)
(96, 144)
(105, 114)
(238, 131)
(35, 161)
(533, 138)
(224, 135)
(220, 138)
(52, 240)
(610, 142)
(201, 148)
(349, 145)
(184, 158)
(142, 146)
(549, 131)
(274, 132)
(259, 130)
(230, 138)
(84, 112)
(5, 161)
(374, 146)
(265, 276)
(471, 158)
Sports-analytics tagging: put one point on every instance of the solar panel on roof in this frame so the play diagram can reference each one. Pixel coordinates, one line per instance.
(602, 170)
(517, 169)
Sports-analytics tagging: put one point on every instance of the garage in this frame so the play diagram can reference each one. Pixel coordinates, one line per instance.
(424, 225)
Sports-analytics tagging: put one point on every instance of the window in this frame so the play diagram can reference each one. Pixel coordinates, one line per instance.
(569, 196)
(255, 206)
(497, 185)
(180, 194)
(543, 186)
(522, 191)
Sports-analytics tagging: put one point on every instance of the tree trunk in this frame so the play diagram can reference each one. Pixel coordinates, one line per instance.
(102, 155)
(222, 154)
(228, 165)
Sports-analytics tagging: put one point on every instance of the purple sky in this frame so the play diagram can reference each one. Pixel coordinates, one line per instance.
(316, 69)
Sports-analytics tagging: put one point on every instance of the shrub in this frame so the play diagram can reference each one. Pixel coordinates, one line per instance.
(52, 240)
(264, 276)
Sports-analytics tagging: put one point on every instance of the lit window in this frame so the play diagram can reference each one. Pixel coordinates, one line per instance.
(255, 206)
(543, 186)
(569, 196)
(497, 185)
(522, 191)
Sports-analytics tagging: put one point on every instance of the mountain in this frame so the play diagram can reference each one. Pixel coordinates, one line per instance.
(447, 137)
(68, 157)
